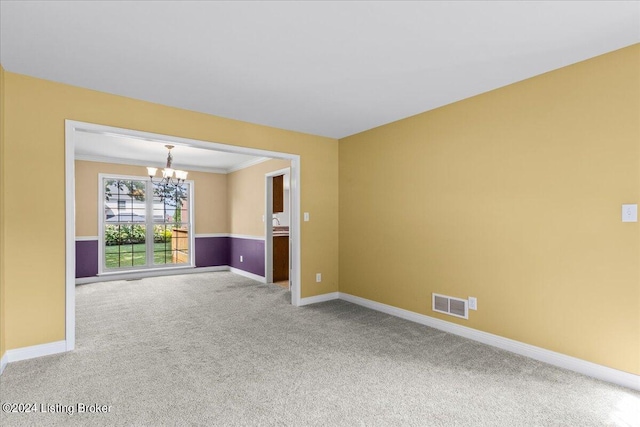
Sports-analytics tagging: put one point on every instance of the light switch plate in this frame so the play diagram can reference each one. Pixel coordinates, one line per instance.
(629, 213)
(306, 216)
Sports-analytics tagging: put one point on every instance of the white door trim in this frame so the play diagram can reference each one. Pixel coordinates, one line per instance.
(72, 126)
(70, 236)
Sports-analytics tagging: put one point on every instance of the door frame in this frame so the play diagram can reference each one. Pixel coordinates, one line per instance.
(72, 127)
(268, 223)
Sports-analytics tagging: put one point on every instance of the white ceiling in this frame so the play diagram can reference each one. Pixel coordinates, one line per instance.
(133, 151)
(325, 68)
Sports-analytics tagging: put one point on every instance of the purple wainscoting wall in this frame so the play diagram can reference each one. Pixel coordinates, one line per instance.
(86, 258)
(212, 251)
(252, 252)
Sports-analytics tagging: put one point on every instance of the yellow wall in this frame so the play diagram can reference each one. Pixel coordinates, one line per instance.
(210, 197)
(247, 197)
(35, 111)
(2, 296)
(514, 197)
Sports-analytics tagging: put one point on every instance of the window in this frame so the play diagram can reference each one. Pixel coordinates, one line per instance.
(171, 215)
(144, 224)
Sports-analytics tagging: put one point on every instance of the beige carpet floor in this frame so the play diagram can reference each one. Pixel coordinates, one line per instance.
(218, 349)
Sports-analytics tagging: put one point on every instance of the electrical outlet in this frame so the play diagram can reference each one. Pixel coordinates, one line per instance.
(473, 303)
(241, 259)
(318, 277)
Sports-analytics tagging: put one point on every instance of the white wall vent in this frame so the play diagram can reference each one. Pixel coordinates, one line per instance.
(449, 305)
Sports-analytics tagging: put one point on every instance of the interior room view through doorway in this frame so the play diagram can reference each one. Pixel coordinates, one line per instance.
(123, 221)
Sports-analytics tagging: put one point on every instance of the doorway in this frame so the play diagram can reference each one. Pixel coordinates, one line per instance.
(72, 130)
(277, 230)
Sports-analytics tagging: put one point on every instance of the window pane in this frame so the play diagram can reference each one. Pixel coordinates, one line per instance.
(180, 245)
(125, 245)
(175, 248)
(169, 203)
(162, 244)
(124, 200)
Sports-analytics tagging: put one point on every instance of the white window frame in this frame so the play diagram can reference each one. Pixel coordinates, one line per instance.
(149, 224)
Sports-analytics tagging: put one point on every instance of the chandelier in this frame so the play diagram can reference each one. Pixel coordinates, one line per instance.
(169, 176)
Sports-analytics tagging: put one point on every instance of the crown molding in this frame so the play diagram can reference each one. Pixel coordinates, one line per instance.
(135, 162)
(247, 164)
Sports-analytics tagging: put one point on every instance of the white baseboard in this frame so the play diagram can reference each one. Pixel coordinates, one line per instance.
(208, 269)
(319, 298)
(150, 273)
(34, 351)
(3, 362)
(594, 370)
(260, 279)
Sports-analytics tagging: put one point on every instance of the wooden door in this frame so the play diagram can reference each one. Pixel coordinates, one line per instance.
(280, 258)
(278, 194)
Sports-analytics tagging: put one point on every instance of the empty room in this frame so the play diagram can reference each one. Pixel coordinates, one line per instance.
(320, 213)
